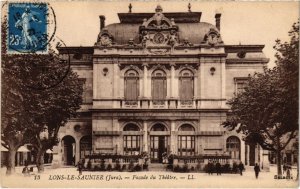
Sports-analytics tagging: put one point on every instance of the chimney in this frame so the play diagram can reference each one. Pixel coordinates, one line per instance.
(218, 21)
(102, 22)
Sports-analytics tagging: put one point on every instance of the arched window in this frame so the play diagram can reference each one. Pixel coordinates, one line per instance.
(131, 127)
(131, 85)
(131, 143)
(159, 127)
(233, 147)
(186, 143)
(186, 127)
(85, 146)
(186, 85)
(159, 85)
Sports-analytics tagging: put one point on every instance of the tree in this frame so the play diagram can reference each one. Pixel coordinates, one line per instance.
(267, 111)
(37, 90)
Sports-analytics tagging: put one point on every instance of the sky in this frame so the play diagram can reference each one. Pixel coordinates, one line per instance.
(241, 22)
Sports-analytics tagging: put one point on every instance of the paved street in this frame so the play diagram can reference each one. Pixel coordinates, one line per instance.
(69, 177)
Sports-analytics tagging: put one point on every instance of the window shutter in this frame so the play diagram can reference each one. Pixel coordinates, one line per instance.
(131, 89)
(186, 89)
(159, 88)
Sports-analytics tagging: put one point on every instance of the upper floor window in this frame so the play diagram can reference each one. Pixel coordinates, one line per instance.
(87, 93)
(131, 85)
(240, 84)
(186, 85)
(159, 85)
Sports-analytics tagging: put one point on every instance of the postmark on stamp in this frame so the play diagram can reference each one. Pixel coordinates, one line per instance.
(28, 27)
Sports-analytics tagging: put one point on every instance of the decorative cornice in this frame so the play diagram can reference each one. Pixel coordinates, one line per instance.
(247, 60)
(74, 50)
(246, 48)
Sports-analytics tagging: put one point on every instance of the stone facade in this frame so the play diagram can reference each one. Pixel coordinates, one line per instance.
(158, 83)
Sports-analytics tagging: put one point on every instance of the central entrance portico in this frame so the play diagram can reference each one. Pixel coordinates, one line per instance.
(159, 142)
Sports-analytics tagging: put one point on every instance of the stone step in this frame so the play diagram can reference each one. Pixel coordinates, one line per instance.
(157, 167)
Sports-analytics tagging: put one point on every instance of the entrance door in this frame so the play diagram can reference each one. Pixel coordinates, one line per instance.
(68, 143)
(158, 145)
(252, 154)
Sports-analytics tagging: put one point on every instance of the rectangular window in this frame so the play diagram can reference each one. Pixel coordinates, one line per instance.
(240, 84)
(186, 145)
(131, 92)
(131, 144)
(159, 89)
(186, 89)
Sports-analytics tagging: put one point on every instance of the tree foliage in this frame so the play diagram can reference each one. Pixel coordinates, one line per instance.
(37, 90)
(267, 110)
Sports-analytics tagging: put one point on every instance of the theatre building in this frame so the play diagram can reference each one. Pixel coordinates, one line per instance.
(158, 82)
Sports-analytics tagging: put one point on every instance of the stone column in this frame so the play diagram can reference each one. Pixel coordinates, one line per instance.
(172, 80)
(172, 87)
(247, 155)
(116, 90)
(145, 80)
(196, 82)
(144, 103)
(173, 137)
(145, 136)
(256, 154)
(223, 81)
(265, 160)
(243, 146)
(76, 150)
(201, 81)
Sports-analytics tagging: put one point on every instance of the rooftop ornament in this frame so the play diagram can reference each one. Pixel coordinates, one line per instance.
(158, 9)
(189, 7)
(130, 7)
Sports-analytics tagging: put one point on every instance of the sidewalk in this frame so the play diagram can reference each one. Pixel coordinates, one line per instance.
(69, 177)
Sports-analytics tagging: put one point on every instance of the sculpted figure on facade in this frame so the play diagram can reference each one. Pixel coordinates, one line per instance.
(212, 38)
(104, 38)
(186, 43)
(173, 38)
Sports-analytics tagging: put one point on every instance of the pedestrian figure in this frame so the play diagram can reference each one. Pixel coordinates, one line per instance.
(79, 167)
(218, 168)
(256, 170)
(209, 167)
(165, 158)
(213, 167)
(241, 168)
(288, 172)
(26, 171)
(284, 168)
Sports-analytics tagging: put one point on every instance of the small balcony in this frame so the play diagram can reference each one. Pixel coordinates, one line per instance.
(173, 104)
(159, 104)
(130, 104)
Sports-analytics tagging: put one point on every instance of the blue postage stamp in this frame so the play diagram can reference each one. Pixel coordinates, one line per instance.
(27, 27)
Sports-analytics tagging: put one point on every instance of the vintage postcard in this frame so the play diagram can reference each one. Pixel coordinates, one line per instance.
(149, 94)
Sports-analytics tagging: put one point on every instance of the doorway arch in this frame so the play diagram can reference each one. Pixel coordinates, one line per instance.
(69, 150)
(159, 142)
(233, 145)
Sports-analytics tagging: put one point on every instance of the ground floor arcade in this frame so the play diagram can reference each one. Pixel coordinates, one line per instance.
(180, 133)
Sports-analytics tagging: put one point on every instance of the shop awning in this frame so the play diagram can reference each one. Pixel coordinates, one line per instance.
(49, 151)
(3, 149)
(23, 149)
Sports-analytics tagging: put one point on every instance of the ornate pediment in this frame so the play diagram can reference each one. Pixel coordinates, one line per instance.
(158, 30)
(105, 38)
(212, 38)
